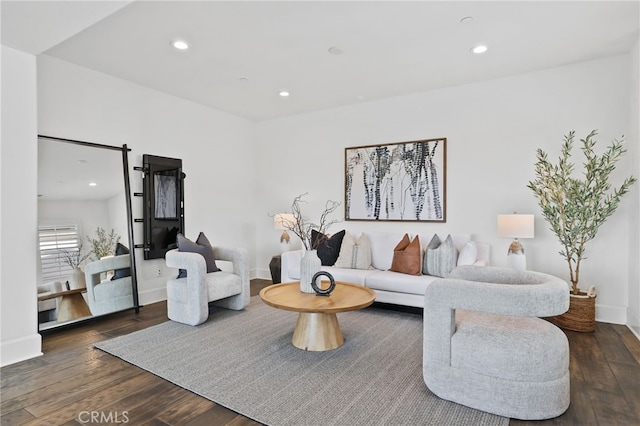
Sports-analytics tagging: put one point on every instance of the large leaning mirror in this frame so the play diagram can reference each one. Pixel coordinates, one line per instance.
(85, 232)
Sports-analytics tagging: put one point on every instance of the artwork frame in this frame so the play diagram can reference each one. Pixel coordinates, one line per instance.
(397, 182)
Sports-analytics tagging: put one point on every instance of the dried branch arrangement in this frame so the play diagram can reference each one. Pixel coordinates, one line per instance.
(301, 225)
(74, 258)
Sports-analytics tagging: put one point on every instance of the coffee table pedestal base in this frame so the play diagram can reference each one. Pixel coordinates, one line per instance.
(72, 306)
(317, 332)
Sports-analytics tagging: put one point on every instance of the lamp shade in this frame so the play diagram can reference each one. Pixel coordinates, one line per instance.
(516, 225)
(283, 221)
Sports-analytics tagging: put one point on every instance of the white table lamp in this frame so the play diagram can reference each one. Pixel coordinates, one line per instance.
(516, 226)
(284, 222)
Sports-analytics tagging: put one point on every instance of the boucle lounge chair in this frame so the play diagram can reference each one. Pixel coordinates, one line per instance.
(109, 295)
(188, 298)
(485, 348)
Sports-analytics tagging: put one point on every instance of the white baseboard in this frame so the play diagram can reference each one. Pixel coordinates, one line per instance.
(633, 323)
(152, 296)
(611, 314)
(21, 349)
(635, 330)
(261, 273)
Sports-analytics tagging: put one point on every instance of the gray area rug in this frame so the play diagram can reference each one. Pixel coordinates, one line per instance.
(245, 361)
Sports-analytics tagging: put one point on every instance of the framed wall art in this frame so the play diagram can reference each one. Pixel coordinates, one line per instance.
(396, 182)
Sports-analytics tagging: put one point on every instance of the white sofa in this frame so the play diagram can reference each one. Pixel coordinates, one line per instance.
(390, 287)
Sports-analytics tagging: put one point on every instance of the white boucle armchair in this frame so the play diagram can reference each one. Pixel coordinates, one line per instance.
(188, 298)
(485, 348)
(107, 296)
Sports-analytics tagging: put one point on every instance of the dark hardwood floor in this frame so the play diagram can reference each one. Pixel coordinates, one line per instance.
(72, 383)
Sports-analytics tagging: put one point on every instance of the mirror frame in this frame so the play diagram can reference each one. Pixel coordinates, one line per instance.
(127, 196)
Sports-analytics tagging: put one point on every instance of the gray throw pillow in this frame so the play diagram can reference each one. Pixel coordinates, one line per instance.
(124, 272)
(440, 258)
(203, 247)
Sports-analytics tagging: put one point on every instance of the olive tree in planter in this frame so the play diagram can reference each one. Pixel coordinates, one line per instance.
(575, 208)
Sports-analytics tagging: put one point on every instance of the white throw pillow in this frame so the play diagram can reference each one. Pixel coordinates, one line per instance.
(468, 254)
(354, 254)
(382, 245)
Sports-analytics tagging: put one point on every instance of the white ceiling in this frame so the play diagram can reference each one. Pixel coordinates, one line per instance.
(66, 169)
(391, 48)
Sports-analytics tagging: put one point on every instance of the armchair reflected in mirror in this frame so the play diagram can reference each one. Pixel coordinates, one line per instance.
(87, 267)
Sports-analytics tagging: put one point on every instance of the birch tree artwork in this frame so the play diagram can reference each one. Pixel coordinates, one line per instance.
(403, 181)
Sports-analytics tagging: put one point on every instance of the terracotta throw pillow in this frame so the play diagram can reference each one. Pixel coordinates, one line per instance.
(407, 256)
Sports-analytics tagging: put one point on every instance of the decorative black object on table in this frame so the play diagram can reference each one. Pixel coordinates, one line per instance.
(319, 291)
(274, 266)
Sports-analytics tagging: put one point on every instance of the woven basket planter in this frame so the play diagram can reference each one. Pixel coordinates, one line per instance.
(581, 315)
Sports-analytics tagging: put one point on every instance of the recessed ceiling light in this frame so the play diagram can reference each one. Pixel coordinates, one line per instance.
(180, 44)
(479, 49)
(93, 184)
(243, 80)
(82, 161)
(466, 20)
(335, 50)
(284, 93)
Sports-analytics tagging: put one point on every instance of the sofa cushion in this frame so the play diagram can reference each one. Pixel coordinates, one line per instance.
(223, 284)
(202, 246)
(407, 257)
(440, 258)
(354, 254)
(328, 247)
(219, 285)
(504, 346)
(469, 254)
(382, 245)
(354, 276)
(109, 289)
(400, 283)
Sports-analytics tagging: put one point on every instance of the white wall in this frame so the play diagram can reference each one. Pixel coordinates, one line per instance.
(633, 319)
(18, 215)
(88, 214)
(216, 149)
(493, 129)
